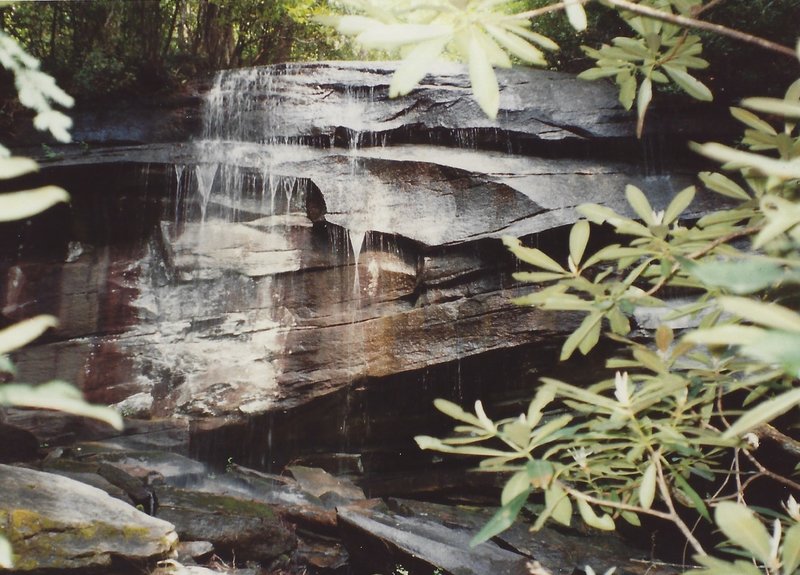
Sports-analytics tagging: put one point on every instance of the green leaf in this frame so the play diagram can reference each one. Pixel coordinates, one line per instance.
(604, 522)
(678, 204)
(557, 501)
(782, 215)
(542, 399)
(642, 103)
(586, 331)
(763, 413)
(742, 527)
(723, 185)
(597, 73)
(790, 552)
(60, 396)
(532, 256)
(764, 313)
(627, 91)
(482, 78)
(518, 484)
(688, 83)
(16, 166)
(638, 201)
(647, 488)
(24, 332)
(415, 65)
(691, 495)
(536, 277)
(24, 204)
(502, 520)
(453, 410)
(777, 347)
(739, 276)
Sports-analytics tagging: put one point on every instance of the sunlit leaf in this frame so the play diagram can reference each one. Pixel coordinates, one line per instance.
(627, 91)
(21, 205)
(532, 256)
(530, 35)
(688, 83)
(764, 313)
(415, 65)
(774, 106)
(638, 201)
(578, 239)
(678, 204)
(518, 484)
(390, 36)
(790, 552)
(750, 119)
(604, 522)
(543, 397)
(536, 277)
(763, 413)
(725, 335)
(6, 554)
(740, 159)
(741, 526)
(597, 73)
(642, 103)
(517, 46)
(16, 166)
(482, 78)
(24, 332)
(576, 14)
(456, 412)
(60, 396)
(723, 185)
(559, 504)
(647, 488)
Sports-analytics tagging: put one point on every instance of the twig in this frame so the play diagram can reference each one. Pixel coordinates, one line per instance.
(616, 504)
(771, 474)
(674, 517)
(700, 9)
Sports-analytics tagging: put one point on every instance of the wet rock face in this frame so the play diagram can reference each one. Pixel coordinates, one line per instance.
(315, 237)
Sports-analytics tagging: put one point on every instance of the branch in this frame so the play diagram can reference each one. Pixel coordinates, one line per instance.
(687, 22)
(771, 474)
(683, 21)
(782, 440)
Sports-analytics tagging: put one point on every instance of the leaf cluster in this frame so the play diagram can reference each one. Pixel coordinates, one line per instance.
(682, 404)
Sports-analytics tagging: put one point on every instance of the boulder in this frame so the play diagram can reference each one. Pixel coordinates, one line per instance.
(241, 528)
(57, 523)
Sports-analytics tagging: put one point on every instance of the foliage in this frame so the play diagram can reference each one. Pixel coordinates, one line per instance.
(107, 47)
(38, 91)
(658, 438)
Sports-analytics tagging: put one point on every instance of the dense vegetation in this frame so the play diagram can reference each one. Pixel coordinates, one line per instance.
(133, 46)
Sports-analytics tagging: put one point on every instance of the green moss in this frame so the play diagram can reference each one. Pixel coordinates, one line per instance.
(218, 504)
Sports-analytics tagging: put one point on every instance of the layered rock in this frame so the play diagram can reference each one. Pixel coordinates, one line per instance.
(319, 236)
